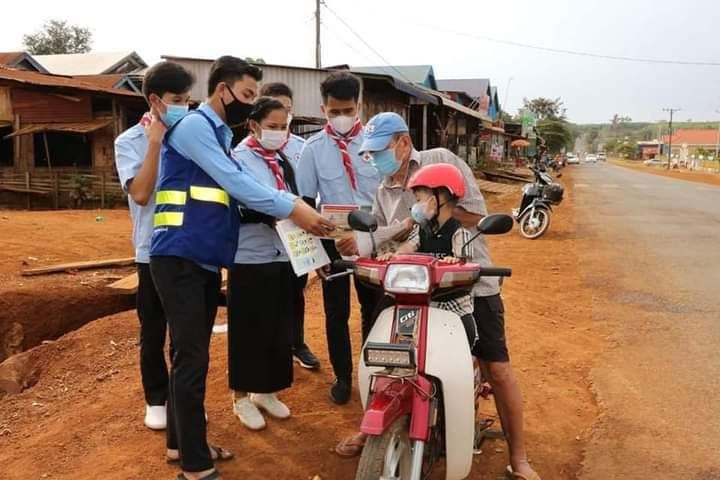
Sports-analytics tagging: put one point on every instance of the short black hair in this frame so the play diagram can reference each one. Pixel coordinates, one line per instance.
(230, 69)
(166, 77)
(276, 89)
(341, 85)
(263, 106)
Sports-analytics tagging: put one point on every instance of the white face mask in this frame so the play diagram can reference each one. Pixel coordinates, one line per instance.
(272, 139)
(342, 124)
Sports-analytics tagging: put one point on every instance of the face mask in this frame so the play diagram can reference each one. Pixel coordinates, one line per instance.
(173, 113)
(272, 139)
(385, 162)
(290, 117)
(419, 213)
(236, 112)
(342, 123)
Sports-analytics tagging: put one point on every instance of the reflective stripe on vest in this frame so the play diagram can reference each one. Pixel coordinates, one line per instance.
(168, 219)
(208, 194)
(171, 197)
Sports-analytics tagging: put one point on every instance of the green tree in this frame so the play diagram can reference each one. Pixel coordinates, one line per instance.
(626, 150)
(557, 134)
(546, 108)
(58, 37)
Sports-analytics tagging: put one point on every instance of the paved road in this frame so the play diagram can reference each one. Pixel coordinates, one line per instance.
(651, 251)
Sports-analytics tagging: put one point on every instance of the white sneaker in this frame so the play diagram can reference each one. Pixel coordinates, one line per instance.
(270, 403)
(156, 417)
(248, 414)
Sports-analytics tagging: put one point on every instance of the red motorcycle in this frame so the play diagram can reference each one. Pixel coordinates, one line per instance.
(419, 384)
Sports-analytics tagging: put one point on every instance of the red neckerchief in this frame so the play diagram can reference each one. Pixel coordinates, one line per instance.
(342, 142)
(270, 160)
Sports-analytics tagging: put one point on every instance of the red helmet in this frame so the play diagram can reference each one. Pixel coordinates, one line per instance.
(439, 175)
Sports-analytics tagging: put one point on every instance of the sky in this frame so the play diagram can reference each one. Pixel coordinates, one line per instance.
(452, 35)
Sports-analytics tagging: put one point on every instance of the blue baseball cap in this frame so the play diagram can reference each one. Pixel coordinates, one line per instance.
(380, 129)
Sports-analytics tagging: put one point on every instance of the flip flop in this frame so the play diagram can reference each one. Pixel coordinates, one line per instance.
(214, 475)
(509, 473)
(351, 446)
(222, 455)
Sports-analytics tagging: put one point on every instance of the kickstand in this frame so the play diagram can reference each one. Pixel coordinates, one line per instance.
(483, 432)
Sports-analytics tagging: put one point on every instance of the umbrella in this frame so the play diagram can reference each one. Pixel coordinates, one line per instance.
(520, 143)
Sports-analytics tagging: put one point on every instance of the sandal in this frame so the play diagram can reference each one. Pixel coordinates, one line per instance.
(509, 473)
(221, 455)
(351, 446)
(214, 475)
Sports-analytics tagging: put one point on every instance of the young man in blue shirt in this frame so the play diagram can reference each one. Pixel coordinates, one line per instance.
(137, 156)
(331, 168)
(292, 150)
(196, 229)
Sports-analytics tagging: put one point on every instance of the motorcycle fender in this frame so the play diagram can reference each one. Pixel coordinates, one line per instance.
(381, 332)
(391, 400)
(448, 359)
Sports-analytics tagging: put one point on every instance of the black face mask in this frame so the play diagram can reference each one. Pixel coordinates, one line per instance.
(236, 112)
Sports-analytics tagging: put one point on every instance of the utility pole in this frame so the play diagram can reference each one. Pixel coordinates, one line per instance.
(318, 58)
(670, 133)
(507, 92)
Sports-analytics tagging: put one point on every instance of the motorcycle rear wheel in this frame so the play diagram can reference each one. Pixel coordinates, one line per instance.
(387, 456)
(535, 223)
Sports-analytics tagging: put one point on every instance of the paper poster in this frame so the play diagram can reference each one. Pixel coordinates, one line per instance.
(305, 251)
(338, 214)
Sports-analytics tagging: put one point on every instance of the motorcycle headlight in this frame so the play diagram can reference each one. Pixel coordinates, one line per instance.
(389, 355)
(402, 278)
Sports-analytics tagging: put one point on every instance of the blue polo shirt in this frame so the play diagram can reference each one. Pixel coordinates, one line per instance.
(257, 242)
(130, 149)
(321, 171)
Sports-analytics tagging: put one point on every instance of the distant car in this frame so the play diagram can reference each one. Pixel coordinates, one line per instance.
(572, 159)
(591, 158)
(653, 162)
(602, 157)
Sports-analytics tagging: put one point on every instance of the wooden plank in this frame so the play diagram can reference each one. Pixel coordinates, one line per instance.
(127, 285)
(9, 188)
(86, 265)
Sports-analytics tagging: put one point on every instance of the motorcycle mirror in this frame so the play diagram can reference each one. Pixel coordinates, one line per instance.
(495, 224)
(362, 221)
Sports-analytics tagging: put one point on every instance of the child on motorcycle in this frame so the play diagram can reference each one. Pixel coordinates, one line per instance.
(438, 188)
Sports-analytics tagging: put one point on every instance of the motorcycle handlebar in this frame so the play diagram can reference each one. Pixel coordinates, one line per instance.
(343, 265)
(496, 272)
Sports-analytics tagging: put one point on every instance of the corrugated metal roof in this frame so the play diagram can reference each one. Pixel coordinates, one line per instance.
(7, 58)
(78, 127)
(47, 80)
(448, 102)
(92, 63)
(409, 73)
(475, 87)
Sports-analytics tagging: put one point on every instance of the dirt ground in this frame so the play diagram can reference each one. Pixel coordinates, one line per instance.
(33, 309)
(699, 177)
(84, 417)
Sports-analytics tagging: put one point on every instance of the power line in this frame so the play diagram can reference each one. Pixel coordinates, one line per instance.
(572, 52)
(352, 30)
(347, 44)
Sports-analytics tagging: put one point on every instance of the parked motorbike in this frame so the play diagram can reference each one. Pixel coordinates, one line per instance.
(419, 385)
(533, 216)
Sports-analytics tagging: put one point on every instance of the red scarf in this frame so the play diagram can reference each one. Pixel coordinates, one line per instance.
(270, 160)
(342, 142)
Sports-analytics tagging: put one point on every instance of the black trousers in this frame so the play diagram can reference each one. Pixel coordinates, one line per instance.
(298, 306)
(260, 327)
(189, 295)
(336, 299)
(153, 328)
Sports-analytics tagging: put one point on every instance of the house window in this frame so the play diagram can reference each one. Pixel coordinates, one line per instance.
(6, 147)
(66, 150)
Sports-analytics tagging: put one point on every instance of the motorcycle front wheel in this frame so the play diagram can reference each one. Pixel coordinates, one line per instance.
(387, 456)
(535, 223)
